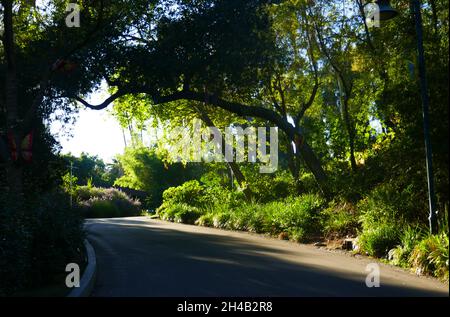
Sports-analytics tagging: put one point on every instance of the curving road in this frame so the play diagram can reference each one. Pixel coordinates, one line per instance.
(142, 257)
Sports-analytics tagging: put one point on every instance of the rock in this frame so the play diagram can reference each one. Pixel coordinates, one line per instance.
(348, 244)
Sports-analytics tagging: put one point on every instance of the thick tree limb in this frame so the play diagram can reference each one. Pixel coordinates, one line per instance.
(237, 108)
(104, 104)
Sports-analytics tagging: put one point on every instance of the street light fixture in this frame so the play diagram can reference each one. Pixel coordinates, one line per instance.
(386, 13)
(385, 10)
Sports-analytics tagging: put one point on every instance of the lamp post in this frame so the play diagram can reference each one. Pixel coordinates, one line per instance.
(387, 13)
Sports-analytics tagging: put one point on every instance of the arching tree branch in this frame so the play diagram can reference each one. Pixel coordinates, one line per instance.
(104, 104)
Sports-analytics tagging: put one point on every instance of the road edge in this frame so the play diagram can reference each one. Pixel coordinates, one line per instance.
(88, 279)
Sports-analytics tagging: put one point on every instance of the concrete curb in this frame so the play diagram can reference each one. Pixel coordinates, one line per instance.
(88, 279)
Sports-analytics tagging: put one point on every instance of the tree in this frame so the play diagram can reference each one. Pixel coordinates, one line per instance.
(89, 168)
(214, 52)
(144, 170)
(31, 81)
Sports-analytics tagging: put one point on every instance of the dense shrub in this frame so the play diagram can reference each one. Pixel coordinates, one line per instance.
(269, 187)
(37, 240)
(206, 220)
(300, 216)
(408, 239)
(340, 220)
(387, 204)
(99, 208)
(190, 193)
(15, 243)
(180, 212)
(57, 237)
(221, 219)
(106, 202)
(430, 256)
(379, 240)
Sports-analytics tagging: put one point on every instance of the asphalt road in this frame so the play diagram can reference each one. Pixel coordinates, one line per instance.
(142, 257)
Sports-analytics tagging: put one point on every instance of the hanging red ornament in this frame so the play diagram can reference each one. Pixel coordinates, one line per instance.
(26, 148)
(12, 146)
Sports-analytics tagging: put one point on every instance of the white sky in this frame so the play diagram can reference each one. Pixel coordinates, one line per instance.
(95, 132)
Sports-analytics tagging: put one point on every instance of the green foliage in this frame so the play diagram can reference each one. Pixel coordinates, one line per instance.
(37, 240)
(430, 256)
(221, 219)
(69, 183)
(408, 240)
(387, 203)
(88, 169)
(302, 212)
(57, 237)
(340, 220)
(181, 213)
(190, 193)
(15, 243)
(106, 203)
(145, 171)
(98, 208)
(206, 220)
(299, 217)
(378, 241)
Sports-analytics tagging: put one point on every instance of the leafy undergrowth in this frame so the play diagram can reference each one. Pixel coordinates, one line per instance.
(379, 225)
(37, 240)
(106, 203)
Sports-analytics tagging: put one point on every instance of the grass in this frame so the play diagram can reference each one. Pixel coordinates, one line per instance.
(298, 217)
(106, 203)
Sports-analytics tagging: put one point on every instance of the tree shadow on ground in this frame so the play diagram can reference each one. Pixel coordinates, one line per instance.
(137, 260)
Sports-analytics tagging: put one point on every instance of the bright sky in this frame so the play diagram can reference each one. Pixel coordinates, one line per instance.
(95, 132)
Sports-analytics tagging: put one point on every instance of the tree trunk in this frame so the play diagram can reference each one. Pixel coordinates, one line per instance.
(240, 178)
(14, 172)
(351, 134)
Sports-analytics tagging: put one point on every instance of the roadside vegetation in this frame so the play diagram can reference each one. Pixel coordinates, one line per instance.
(344, 97)
(309, 218)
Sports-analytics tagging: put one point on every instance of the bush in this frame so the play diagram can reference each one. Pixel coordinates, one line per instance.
(409, 238)
(83, 193)
(269, 187)
(340, 220)
(37, 240)
(388, 203)
(430, 256)
(191, 193)
(106, 203)
(15, 242)
(181, 213)
(98, 208)
(207, 220)
(57, 237)
(297, 234)
(240, 217)
(379, 240)
(300, 216)
(297, 217)
(187, 214)
(221, 219)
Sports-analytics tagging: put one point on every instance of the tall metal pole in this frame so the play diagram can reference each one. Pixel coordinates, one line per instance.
(71, 178)
(425, 109)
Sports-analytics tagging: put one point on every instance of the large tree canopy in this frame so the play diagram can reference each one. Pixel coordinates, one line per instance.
(314, 69)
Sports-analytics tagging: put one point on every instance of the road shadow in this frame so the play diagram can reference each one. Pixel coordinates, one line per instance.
(137, 260)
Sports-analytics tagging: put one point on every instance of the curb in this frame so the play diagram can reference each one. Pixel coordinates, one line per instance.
(88, 279)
